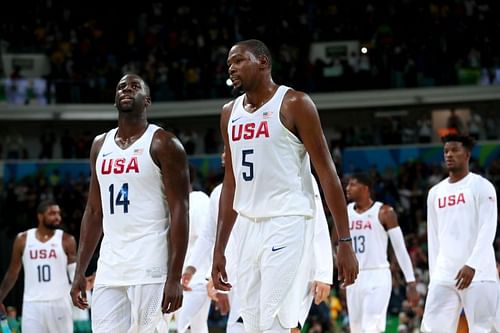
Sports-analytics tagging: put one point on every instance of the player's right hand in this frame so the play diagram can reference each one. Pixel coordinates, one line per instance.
(347, 264)
(79, 292)
(219, 275)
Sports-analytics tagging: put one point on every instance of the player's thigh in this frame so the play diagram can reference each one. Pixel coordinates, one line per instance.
(284, 276)
(145, 302)
(110, 310)
(480, 300)
(59, 316)
(375, 307)
(442, 309)
(32, 320)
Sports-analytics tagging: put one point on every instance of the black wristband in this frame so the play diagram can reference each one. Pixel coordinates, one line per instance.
(345, 239)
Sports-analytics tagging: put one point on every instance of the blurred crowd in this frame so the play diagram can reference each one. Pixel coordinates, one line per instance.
(181, 49)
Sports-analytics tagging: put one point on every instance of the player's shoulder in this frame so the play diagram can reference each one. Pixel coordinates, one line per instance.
(295, 96)
(228, 106)
(67, 236)
(216, 191)
(481, 182)
(441, 183)
(198, 195)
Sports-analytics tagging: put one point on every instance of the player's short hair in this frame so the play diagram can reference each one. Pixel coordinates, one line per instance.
(44, 205)
(258, 48)
(362, 178)
(467, 141)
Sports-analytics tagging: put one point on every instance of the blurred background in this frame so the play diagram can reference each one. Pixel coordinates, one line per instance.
(388, 79)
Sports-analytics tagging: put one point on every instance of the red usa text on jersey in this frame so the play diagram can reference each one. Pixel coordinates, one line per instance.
(451, 200)
(43, 254)
(119, 165)
(250, 131)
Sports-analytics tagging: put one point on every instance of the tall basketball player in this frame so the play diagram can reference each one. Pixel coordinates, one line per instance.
(138, 198)
(269, 133)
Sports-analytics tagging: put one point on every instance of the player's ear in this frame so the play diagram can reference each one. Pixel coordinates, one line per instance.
(264, 61)
(147, 101)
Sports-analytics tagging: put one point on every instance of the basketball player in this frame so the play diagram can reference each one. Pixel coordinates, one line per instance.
(47, 255)
(461, 228)
(138, 198)
(226, 301)
(269, 133)
(193, 314)
(372, 225)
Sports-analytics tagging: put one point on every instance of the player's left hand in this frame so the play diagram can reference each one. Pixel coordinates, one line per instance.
(464, 277)
(321, 291)
(172, 296)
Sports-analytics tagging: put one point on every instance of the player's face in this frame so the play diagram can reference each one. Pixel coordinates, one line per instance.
(131, 94)
(456, 156)
(241, 65)
(51, 218)
(354, 189)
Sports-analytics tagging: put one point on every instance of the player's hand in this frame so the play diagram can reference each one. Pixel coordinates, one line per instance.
(222, 303)
(172, 296)
(79, 291)
(2, 309)
(347, 264)
(212, 293)
(321, 291)
(219, 275)
(464, 277)
(186, 277)
(412, 294)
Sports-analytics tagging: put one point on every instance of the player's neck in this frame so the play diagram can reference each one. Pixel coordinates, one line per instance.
(456, 176)
(44, 234)
(362, 206)
(129, 128)
(254, 99)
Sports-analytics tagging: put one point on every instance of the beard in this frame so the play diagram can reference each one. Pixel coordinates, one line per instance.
(237, 91)
(50, 226)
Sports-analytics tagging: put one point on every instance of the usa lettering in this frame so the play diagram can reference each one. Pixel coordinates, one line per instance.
(360, 225)
(43, 254)
(119, 166)
(451, 200)
(250, 131)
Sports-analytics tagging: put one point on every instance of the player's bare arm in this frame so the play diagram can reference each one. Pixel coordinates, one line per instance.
(300, 116)
(227, 216)
(69, 245)
(15, 265)
(90, 232)
(169, 154)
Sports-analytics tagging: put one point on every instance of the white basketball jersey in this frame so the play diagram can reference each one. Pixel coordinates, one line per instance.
(135, 213)
(369, 238)
(462, 223)
(199, 203)
(270, 164)
(45, 268)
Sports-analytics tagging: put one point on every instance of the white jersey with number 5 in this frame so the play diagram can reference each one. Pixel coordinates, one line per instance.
(135, 213)
(45, 268)
(270, 164)
(369, 238)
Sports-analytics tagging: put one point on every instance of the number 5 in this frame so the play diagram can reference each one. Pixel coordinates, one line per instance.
(247, 176)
